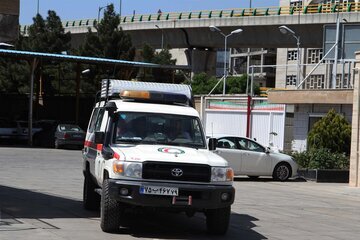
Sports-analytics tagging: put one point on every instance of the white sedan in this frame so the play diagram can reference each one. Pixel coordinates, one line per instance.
(250, 158)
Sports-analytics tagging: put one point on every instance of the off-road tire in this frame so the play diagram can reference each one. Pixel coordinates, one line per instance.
(217, 220)
(110, 211)
(91, 200)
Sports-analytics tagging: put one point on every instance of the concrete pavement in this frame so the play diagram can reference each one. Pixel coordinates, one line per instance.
(41, 192)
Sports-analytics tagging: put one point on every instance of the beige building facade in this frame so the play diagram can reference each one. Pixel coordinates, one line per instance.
(317, 91)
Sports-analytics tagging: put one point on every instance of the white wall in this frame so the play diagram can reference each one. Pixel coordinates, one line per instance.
(234, 123)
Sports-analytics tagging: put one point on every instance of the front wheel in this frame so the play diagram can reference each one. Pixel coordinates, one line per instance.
(217, 220)
(110, 211)
(282, 172)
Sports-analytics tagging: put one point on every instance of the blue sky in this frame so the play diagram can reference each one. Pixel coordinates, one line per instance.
(84, 9)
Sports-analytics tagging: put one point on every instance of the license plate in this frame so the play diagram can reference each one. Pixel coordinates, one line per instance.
(155, 190)
(77, 136)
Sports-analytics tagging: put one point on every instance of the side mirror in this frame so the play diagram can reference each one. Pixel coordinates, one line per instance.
(107, 153)
(267, 150)
(212, 144)
(111, 108)
(99, 137)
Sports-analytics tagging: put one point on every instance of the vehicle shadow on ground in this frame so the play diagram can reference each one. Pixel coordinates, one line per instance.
(18, 203)
(163, 225)
(266, 179)
(22, 203)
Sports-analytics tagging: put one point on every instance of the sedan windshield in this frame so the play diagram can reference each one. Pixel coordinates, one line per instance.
(157, 128)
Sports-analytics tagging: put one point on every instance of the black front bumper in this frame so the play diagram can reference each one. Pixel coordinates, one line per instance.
(191, 196)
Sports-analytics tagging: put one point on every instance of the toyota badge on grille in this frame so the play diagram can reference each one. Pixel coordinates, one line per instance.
(177, 172)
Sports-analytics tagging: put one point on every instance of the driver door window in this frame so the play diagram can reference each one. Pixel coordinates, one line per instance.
(246, 144)
(226, 143)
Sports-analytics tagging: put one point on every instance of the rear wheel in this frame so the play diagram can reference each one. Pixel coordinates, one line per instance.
(91, 200)
(57, 145)
(282, 172)
(111, 210)
(217, 220)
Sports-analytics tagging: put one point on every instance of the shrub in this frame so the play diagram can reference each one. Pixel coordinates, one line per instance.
(321, 158)
(302, 158)
(332, 132)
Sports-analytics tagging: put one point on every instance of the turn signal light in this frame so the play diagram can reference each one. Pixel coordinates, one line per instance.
(118, 167)
(229, 174)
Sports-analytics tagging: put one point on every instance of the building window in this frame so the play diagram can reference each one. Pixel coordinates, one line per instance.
(314, 55)
(314, 119)
(296, 3)
(315, 82)
(343, 82)
(292, 55)
(291, 80)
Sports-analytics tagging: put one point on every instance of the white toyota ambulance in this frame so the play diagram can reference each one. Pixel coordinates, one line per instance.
(145, 147)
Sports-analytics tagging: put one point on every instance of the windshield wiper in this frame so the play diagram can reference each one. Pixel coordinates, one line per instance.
(184, 144)
(129, 140)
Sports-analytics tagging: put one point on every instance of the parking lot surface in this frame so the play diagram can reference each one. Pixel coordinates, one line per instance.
(41, 193)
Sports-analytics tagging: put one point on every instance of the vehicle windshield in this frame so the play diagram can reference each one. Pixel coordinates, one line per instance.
(158, 128)
(70, 128)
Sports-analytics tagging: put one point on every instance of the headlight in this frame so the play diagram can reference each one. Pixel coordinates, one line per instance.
(221, 174)
(128, 169)
(133, 170)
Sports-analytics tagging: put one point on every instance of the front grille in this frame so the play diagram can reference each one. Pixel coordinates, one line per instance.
(163, 171)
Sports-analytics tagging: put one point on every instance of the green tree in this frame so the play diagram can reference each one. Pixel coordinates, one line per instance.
(43, 36)
(47, 36)
(332, 132)
(162, 57)
(110, 41)
(202, 84)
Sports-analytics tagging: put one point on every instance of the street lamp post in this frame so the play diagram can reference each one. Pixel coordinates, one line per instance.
(120, 8)
(287, 31)
(216, 29)
(162, 36)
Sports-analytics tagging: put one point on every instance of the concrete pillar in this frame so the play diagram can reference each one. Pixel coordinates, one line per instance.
(202, 60)
(354, 179)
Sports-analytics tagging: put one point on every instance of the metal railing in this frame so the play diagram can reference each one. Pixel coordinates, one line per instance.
(227, 13)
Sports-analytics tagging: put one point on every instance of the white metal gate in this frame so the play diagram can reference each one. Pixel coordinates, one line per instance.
(229, 116)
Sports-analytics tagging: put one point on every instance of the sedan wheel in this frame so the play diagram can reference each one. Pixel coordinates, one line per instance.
(282, 172)
(57, 146)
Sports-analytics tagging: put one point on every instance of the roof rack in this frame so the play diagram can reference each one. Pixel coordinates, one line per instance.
(116, 87)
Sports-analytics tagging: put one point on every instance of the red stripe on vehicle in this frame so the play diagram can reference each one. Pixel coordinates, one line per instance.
(99, 147)
(116, 156)
(87, 144)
